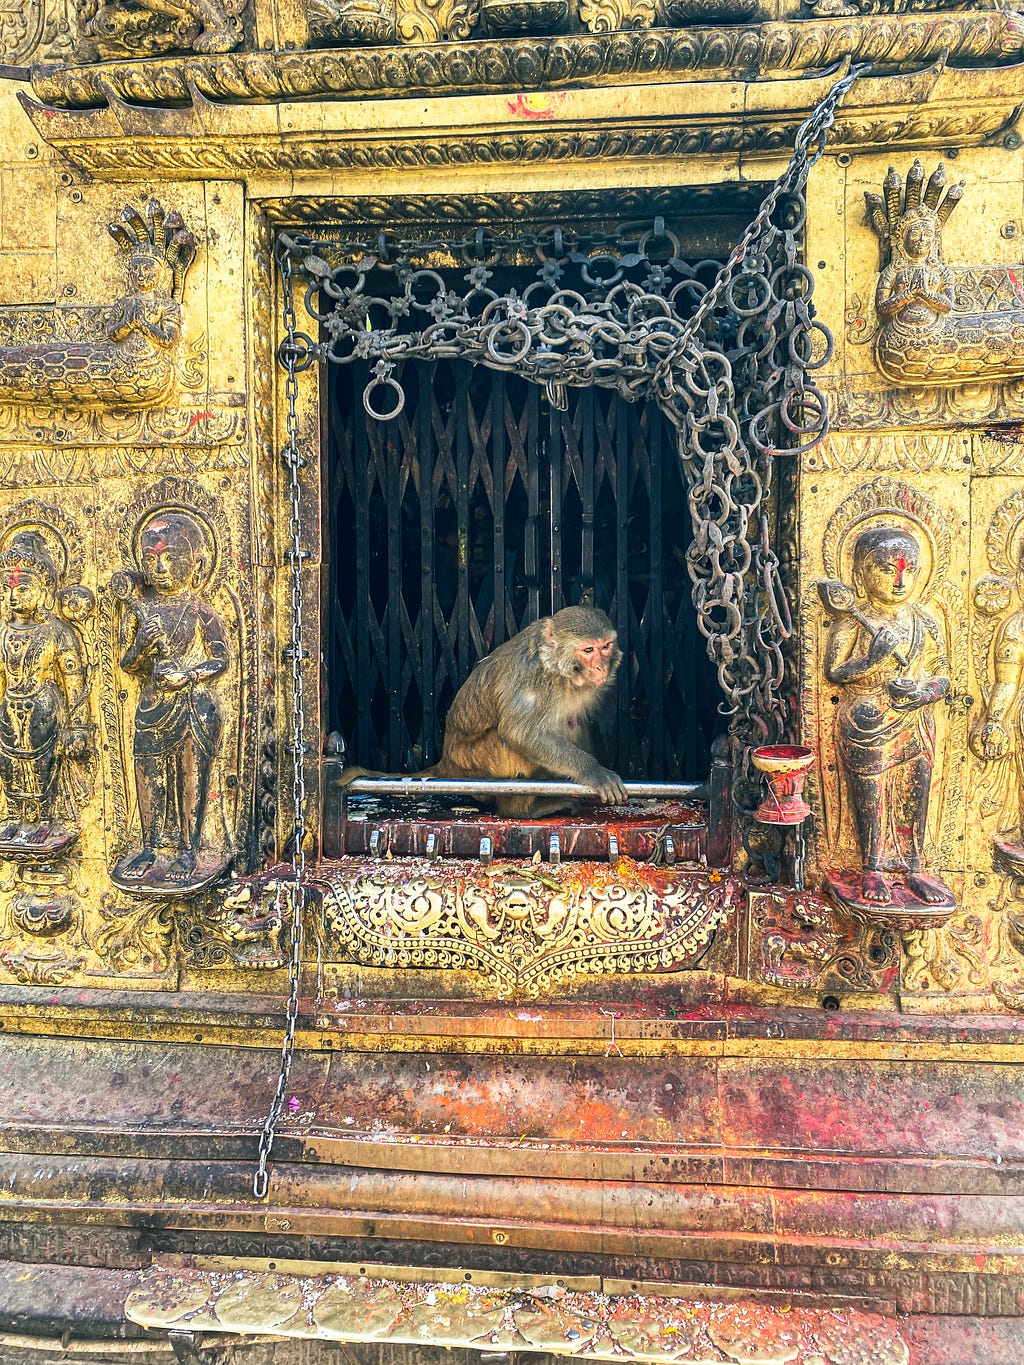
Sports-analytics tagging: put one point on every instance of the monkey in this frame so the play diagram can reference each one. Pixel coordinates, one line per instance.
(525, 711)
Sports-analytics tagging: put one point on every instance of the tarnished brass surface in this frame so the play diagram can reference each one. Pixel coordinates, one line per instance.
(556, 1318)
(824, 1105)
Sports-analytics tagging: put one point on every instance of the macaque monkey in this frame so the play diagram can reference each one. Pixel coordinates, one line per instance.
(525, 711)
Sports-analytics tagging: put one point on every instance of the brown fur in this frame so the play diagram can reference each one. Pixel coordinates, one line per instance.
(525, 710)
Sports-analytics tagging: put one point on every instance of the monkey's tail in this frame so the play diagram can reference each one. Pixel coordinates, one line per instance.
(348, 775)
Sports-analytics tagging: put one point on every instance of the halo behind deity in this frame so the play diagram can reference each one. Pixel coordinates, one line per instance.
(200, 521)
(1004, 542)
(888, 502)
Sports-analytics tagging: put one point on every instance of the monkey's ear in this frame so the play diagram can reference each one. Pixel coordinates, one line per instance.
(547, 630)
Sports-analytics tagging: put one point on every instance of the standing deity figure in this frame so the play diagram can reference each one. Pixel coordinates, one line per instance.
(997, 736)
(886, 656)
(174, 643)
(45, 742)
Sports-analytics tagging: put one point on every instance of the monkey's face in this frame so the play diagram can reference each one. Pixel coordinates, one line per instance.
(596, 662)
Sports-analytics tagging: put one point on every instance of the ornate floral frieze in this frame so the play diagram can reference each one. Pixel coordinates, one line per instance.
(84, 443)
(988, 404)
(507, 63)
(363, 211)
(944, 451)
(527, 933)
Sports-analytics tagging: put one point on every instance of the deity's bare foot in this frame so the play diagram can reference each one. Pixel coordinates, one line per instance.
(875, 889)
(139, 865)
(926, 889)
(182, 867)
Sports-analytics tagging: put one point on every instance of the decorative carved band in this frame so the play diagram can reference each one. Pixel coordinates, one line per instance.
(907, 40)
(526, 933)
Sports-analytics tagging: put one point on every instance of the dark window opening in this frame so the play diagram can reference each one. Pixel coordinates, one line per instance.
(480, 508)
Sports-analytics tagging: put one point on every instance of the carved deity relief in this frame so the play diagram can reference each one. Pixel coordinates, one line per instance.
(174, 640)
(149, 28)
(935, 326)
(887, 755)
(132, 365)
(47, 736)
(997, 734)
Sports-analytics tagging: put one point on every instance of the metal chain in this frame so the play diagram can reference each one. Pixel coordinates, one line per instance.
(290, 355)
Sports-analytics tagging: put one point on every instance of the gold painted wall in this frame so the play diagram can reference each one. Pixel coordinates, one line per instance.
(197, 435)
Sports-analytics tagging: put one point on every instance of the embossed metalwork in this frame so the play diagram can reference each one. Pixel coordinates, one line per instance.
(133, 366)
(908, 41)
(735, 378)
(928, 335)
(519, 1315)
(526, 932)
(112, 29)
(887, 658)
(997, 732)
(176, 644)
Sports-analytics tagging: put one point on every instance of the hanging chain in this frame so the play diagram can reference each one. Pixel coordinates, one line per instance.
(808, 146)
(732, 364)
(291, 355)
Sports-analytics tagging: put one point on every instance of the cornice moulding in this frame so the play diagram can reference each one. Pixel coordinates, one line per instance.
(936, 107)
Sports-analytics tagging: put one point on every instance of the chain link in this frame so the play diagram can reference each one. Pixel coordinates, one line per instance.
(291, 354)
(730, 360)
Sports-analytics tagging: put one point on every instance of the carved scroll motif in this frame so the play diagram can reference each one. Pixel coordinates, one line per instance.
(524, 934)
(149, 28)
(132, 365)
(435, 21)
(607, 16)
(932, 332)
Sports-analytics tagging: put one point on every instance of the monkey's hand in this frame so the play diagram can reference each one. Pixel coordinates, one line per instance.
(608, 786)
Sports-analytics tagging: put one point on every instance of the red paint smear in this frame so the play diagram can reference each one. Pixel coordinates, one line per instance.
(198, 417)
(520, 107)
(901, 567)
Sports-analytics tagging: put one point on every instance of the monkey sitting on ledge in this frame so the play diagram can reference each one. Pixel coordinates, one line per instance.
(525, 711)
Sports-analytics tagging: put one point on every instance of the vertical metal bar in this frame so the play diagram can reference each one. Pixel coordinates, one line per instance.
(555, 458)
(659, 746)
(499, 398)
(361, 461)
(425, 634)
(531, 549)
(622, 475)
(393, 468)
(462, 635)
(588, 455)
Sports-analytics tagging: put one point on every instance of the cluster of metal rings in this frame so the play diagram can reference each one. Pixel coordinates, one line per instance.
(728, 352)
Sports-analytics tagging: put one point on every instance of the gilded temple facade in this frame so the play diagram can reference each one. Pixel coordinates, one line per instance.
(340, 340)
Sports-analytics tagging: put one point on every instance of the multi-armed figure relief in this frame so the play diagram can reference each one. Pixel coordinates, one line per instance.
(934, 329)
(172, 643)
(132, 364)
